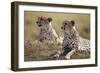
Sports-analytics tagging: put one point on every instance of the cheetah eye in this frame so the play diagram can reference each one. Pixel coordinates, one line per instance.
(65, 23)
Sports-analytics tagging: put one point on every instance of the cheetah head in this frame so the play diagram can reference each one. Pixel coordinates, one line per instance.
(67, 26)
(43, 21)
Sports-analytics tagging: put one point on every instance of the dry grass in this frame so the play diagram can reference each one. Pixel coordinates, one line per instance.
(41, 51)
(36, 51)
(82, 23)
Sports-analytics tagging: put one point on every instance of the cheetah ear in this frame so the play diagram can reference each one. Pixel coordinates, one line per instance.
(49, 19)
(73, 22)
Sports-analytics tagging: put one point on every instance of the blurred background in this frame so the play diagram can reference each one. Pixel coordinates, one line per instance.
(82, 23)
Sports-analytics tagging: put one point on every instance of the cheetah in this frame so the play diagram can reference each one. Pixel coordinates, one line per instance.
(47, 33)
(72, 41)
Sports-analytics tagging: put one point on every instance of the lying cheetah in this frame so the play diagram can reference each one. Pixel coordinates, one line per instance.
(47, 33)
(72, 42)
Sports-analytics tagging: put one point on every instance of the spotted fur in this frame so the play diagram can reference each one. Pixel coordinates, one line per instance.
(47, 33)
(72, 42)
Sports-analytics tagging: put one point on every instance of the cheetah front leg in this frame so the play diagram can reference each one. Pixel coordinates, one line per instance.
(70, 54)
(59, 52)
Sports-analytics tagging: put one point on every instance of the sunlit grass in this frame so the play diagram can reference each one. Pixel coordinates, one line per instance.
(34, 50)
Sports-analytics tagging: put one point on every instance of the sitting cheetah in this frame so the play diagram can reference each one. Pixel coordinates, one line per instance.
(47, 33)
(72, 42)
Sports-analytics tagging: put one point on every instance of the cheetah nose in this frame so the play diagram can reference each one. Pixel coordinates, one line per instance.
(37, 22)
